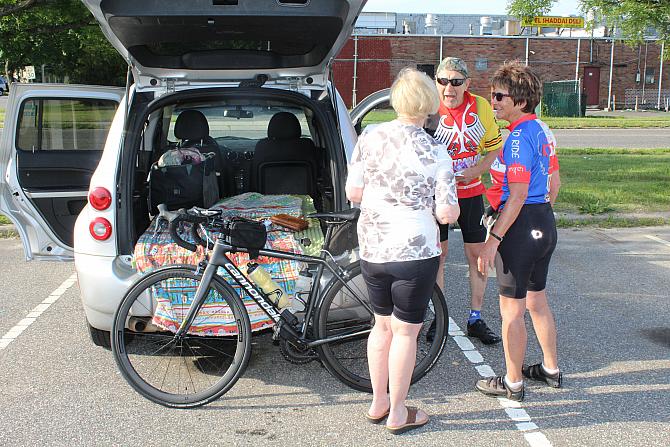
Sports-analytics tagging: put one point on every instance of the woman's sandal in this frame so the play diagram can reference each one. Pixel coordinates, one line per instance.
(410, 423)
(378, 419)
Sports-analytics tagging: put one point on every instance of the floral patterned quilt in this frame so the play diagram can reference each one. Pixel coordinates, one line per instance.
(156, 248)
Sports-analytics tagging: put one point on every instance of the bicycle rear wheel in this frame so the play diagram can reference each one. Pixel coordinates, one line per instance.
(180, 372)
(342, 313)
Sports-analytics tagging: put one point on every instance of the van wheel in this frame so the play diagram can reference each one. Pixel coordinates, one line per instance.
(100, 337)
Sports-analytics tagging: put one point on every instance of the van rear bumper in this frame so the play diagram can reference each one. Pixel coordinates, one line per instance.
(103, 281)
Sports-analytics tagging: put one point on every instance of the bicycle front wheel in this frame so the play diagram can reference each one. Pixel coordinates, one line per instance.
(190, 370)
(343, 313)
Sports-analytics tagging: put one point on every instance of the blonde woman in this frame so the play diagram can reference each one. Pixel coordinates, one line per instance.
(405, 184)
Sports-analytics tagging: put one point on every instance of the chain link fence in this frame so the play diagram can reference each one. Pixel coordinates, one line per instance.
(563, 98)
(647, 99)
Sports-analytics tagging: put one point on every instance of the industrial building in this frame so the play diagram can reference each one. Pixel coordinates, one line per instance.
(610, 73)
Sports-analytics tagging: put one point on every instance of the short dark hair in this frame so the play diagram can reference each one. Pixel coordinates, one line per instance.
(521, 82)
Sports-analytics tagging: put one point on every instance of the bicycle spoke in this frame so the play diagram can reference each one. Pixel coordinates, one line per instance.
(181, 371)
(344, 313)
(189, 373)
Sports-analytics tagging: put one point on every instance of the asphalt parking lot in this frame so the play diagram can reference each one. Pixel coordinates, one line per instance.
(608, 288)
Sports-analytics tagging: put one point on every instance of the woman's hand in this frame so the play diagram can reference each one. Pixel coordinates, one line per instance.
(447, 214)
(487, 256)
(469, 174)
(354, 194)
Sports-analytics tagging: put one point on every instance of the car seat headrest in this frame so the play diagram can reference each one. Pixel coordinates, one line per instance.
(284, 126)
(191, 125)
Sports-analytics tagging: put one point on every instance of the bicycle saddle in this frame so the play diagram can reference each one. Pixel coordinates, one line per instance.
(348, 215)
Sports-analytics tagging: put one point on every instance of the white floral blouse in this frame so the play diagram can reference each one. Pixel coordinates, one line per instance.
(404, 172)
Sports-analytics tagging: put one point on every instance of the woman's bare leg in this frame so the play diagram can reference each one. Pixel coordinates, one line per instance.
(402, 357)
(544, 325)
(379, 342)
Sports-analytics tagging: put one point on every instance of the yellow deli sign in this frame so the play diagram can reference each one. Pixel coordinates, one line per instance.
(554, 22)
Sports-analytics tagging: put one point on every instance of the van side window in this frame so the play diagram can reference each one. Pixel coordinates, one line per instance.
(61, 124)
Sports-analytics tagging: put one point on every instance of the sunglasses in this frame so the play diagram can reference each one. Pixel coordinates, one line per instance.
(454, 82)
(499, 96)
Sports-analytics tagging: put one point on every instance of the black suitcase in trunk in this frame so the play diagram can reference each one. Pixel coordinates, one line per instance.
(183, 186)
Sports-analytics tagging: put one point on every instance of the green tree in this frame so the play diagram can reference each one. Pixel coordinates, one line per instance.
(63, 36)
(529, 8)
(633, 17)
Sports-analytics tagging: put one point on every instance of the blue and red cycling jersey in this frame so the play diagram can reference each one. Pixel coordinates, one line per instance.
(528, 156)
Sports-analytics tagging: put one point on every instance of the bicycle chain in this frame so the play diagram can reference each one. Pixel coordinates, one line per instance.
(296, 355)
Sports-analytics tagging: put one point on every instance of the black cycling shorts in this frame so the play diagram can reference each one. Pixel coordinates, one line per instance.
(401, 288)
(523, 256)
(470, 221)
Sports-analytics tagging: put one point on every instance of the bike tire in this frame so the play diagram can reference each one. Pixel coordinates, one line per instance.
(184, 373)
(339, 313)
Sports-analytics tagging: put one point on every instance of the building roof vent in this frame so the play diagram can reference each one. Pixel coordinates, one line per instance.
(485, 26)
(512, 27)
(408, 27)
(431, 23)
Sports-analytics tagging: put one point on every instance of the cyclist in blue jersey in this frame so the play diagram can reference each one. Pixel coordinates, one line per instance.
(523, 238)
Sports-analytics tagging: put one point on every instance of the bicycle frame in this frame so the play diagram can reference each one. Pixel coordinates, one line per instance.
(218, 259)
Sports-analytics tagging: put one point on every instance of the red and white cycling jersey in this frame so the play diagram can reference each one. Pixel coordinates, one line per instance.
(470, 132)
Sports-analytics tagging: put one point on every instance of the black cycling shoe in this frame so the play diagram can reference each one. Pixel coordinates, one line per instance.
(537, 372)
(480, 330)
(495, 386)
(430, 333)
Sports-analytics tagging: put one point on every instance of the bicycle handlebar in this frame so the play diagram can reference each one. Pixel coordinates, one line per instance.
(174, 218)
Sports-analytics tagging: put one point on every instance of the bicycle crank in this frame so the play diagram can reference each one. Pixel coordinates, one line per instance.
(296, 354)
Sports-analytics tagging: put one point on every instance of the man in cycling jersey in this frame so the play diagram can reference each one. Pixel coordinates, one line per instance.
(467, 126)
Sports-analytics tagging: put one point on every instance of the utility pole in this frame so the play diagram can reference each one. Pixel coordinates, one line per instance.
(609, 91)
(660, 77)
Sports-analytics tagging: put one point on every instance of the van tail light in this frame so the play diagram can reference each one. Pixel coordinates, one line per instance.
(100, 198)
(100, 229)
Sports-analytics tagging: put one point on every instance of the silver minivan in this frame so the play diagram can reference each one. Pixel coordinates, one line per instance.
(76, 158)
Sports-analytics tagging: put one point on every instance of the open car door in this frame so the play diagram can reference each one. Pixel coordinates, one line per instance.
(373, 109)
(51, 145)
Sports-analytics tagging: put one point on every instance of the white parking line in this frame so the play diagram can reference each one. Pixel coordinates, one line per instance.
(531, 432)
(22, 325)
(657, 239)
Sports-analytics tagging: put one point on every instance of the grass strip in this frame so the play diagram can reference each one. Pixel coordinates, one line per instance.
(612, 222)
(605, 181)
(610, 151)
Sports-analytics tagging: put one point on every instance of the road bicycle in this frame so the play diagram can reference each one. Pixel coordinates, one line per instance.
(182, 367)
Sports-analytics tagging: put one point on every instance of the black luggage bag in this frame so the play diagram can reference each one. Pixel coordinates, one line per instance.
(183, 186)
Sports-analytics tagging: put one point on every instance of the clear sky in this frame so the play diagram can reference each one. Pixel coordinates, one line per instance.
(561, 7)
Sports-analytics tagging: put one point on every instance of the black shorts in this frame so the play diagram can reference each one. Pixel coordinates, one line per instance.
(401, 288)
(523, 256)
(470, 221)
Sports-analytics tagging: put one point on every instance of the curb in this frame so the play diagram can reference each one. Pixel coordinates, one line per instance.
(574, 217)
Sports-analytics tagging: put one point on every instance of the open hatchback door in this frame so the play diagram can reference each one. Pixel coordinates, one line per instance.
(175, 42)
(51, 144)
